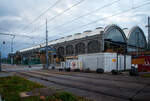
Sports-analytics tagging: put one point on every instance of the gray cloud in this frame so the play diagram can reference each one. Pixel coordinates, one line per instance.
(16, 14)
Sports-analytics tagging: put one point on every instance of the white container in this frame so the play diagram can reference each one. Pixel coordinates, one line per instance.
(68, 64)
(73, 64)
(62, 65)
(106, 61)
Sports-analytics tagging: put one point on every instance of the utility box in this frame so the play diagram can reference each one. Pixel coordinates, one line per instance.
(105, 61)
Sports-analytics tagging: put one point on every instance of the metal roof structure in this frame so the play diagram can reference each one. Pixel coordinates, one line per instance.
(112, 31)
(67, 38)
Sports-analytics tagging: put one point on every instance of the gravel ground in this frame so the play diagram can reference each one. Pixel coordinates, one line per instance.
(98, 87)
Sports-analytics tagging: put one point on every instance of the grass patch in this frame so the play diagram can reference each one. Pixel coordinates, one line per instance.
(59, 96)
(12, 86)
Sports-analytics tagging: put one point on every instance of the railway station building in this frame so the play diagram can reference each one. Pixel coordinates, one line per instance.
(112, 38)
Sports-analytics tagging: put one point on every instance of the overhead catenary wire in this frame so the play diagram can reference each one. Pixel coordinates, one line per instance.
(59, 14)
(54, 16)
(118, 13)
(88, 13)
(41, 14)
(10, 34)
(107, 5)
(20, 43)
(66, 10)
(21, 35)
(15, 35)
(95, 21)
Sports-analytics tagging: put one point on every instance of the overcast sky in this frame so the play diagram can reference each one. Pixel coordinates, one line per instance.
(16, 17)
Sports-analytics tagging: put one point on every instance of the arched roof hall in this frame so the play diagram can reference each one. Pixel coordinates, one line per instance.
(115, 33)
(136, 37)
(91, 41)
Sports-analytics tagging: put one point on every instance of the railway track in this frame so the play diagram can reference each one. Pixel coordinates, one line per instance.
(92, 82)
(104, 90)
(88, 75)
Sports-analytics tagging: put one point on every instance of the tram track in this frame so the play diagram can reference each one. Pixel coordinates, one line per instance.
(77, 85)
(91, 82)
(98, 77)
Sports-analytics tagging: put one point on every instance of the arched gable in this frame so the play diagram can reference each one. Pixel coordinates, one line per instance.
(114, 33)
(137, 38)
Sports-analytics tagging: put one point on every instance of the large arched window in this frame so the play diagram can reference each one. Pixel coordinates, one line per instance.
(69, 50)
(60, 51)
(80, 48)
(137, 38)
(93, 46)
(114, 33)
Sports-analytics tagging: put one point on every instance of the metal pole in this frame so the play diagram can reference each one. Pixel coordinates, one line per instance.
(137, 35)
(149, 32)
(103, 42)
(0, 63)
(148, 27)
(12, 42)
(117, 62)
(46, 48)
(125, 49)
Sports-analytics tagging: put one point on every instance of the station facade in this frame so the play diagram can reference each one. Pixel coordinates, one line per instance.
(109, 39)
